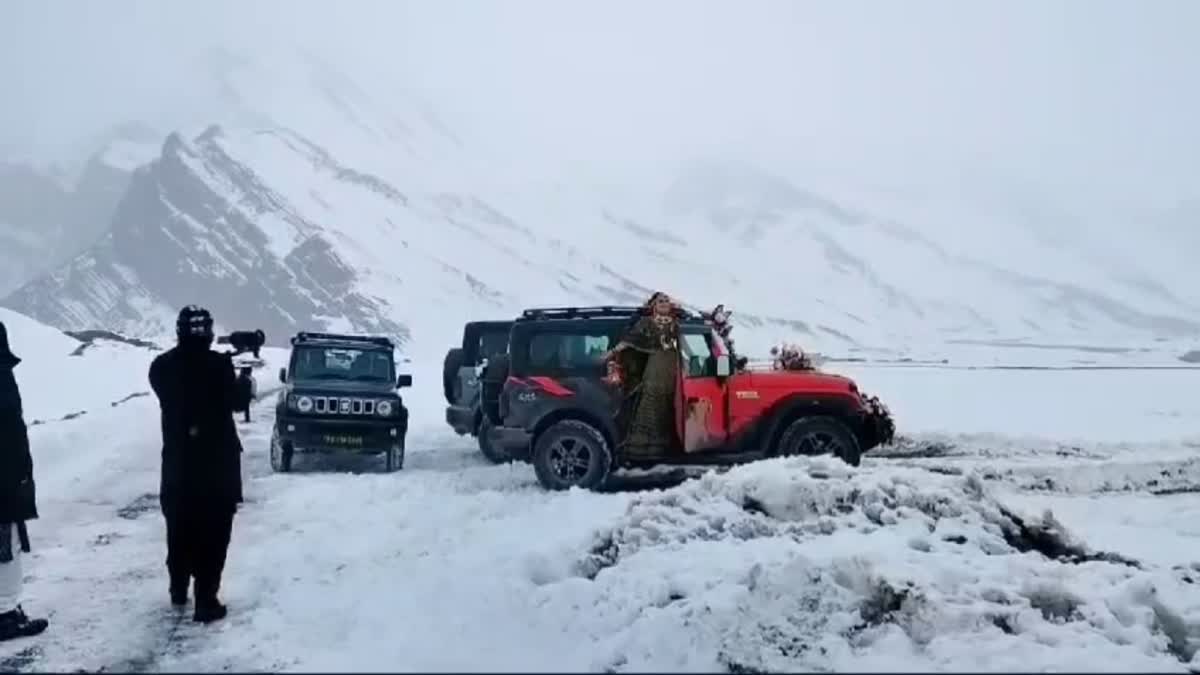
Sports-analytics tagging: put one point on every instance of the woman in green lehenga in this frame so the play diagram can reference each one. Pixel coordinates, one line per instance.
(648, 355)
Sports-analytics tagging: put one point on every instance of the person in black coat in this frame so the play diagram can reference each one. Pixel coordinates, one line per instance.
(17, 502)
(246, 391)
(201, 460)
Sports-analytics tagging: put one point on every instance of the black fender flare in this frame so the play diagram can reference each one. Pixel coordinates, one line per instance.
(844, 407)
(606, 427)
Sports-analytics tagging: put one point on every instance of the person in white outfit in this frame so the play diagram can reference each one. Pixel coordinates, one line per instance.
(17, 501)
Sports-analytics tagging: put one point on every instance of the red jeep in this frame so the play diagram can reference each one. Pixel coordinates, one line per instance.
(551, 403)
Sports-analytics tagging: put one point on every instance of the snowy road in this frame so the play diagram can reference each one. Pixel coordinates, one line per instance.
(431, 541)
(455, 564)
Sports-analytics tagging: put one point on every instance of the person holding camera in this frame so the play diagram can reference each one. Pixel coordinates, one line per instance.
(17, 502)
(201, 460)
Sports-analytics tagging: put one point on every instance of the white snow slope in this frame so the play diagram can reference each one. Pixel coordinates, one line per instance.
(64, 377)
(933, 555)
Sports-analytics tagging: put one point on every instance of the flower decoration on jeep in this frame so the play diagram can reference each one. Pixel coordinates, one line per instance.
(718, 318)
(790, 357)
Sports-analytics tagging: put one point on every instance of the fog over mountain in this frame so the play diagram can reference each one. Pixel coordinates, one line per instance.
(856, 173)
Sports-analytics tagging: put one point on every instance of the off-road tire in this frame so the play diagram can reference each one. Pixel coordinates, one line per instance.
(566, 436)
(799, 435)
(454, 360)
(494, 454)
(281, 455)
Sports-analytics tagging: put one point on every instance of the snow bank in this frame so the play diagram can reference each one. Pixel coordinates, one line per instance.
(62, 377)
(803, 565)
(34, 341)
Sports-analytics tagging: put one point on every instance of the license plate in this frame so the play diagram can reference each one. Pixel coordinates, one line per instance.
(341, 439)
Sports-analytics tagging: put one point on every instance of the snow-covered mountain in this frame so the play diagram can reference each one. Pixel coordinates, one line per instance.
(316, 206)
(47, 216)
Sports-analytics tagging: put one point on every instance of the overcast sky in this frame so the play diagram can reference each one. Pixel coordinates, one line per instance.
(1096, 95)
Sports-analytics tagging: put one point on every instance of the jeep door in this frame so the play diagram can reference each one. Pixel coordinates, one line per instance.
(481, 340)
(701, 409)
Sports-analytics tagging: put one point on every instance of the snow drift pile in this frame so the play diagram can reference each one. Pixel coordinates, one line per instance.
(800, 564)
(63, 377)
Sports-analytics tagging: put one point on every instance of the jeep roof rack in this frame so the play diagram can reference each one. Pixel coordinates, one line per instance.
(537, 313)
(307, 336)
(599, 311)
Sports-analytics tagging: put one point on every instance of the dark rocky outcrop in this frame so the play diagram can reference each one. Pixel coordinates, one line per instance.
(173, 233)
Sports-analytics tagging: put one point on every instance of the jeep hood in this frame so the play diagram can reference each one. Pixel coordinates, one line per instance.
(377, 388)
(802, 379)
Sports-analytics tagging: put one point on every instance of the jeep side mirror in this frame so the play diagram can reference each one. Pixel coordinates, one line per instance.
(283, 375)
(724, 368)
(403, 381)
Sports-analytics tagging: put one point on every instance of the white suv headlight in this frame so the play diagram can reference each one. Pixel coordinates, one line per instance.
(304, 404)
(384, 408)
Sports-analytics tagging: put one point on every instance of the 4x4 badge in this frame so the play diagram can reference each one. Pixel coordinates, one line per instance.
(745, 393)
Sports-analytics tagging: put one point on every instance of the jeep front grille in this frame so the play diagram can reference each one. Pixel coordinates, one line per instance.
(336, 405)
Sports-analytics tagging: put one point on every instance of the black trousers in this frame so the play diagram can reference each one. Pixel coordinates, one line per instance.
(197, 542)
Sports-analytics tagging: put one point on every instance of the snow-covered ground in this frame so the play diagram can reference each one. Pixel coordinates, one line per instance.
(932, 555)
(1064, 353)
(1067, 405)
(63, 377)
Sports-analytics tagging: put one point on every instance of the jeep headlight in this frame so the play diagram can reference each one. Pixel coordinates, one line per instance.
(385, 408)
(304, 404)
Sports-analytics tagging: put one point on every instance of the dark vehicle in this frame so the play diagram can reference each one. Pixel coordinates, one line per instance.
(481, 342)
(554, 407)
(339, 396)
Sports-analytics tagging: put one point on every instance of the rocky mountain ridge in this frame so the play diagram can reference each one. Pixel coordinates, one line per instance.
(317, 207)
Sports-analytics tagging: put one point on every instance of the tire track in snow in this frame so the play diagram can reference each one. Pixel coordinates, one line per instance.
(1043, 466)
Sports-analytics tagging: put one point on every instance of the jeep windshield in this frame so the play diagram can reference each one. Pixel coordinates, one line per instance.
(343, 363)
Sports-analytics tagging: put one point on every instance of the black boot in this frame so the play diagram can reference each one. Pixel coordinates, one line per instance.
(16, 624)
(209, 610)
